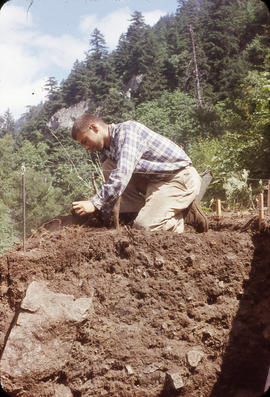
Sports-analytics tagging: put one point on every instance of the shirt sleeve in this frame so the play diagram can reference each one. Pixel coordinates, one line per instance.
(130, 148)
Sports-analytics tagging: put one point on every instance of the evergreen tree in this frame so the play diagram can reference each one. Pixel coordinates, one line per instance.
(54, 97)
(153, 81)
(100, 72)
(138, 56)
(7, 123)
(130, 53)
(226, 27)
(168, 39)
(76, 87)
(51, 86)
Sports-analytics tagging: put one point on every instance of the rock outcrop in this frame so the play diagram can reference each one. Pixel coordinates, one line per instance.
(65, 117)
(41, 339)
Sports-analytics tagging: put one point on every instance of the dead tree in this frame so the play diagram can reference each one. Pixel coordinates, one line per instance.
(198, 89)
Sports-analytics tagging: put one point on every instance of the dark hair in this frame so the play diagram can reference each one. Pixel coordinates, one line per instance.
(82, 123)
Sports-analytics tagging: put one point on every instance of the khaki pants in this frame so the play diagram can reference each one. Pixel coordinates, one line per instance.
(159, 204)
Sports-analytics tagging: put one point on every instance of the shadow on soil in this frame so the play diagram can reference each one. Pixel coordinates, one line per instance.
(247, 357)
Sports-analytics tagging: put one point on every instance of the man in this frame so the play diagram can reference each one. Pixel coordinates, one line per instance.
(154, 177)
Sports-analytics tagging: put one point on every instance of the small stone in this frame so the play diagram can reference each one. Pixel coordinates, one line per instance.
(152, 368)
(190, 259)
(221, 284)
(230, 259)
(159, 260)
(129, 369)
(194, 357)
(173, 381)
(61, 390)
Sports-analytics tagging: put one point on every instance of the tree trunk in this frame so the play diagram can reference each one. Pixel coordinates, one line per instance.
(198, 89)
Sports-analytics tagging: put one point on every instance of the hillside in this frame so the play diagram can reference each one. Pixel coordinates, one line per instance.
(92, 311)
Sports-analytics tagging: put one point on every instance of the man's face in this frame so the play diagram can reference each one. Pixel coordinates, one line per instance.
(91, 139)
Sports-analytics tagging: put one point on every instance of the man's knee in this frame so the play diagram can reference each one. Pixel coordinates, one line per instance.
(140, 223)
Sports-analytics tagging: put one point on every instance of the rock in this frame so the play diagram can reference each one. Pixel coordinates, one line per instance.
(129, 369)
(194, 357)
(152, 368)
(230, 259)
(159, 261)
(41, 340)
(173, 381)
(221, 284)
(190, 259)
(135, 82)
(65, 117)
(62, 391)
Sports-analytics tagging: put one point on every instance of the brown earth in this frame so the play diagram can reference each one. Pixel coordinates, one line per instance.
(158, 297)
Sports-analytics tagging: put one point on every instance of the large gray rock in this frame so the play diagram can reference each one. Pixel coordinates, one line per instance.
(65, 117)
(40, 342)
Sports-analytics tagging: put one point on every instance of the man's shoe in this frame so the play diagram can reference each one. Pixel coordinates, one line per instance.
(195, 217)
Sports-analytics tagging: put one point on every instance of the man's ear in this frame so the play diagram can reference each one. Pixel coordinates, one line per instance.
(94, 127)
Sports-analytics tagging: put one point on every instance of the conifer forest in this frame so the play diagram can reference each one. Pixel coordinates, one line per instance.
(200, 76)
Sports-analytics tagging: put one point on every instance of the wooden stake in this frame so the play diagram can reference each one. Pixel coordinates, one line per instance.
(23, 205)
(261, 210)
(268, 199)
(218, 208)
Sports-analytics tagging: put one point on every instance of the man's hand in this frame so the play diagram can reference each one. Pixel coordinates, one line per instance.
(83, 207)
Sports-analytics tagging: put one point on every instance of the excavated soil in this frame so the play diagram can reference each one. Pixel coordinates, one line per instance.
(158, 298)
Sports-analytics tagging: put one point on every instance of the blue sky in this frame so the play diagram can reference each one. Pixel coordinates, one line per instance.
(46, 39)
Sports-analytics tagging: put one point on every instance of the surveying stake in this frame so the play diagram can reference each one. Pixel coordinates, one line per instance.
(23, 204)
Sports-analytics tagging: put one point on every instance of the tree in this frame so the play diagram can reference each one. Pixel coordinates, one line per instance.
(7, 123)
(138, 55)
(76, 87)
(100, 72)
(51, 86)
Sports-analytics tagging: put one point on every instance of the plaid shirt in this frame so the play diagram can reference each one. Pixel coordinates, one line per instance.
(136, 148)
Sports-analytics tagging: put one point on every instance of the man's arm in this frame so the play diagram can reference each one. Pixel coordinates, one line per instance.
(129, 151)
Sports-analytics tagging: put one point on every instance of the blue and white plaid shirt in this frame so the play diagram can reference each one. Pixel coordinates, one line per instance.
(136, 148)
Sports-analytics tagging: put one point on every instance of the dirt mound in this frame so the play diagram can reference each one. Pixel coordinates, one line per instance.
(170, 310)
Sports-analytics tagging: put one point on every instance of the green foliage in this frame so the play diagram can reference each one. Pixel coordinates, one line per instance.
(7, 234)
(7, 123)
(170, 115)
(245, 143)
(239, 191)
(75, 88)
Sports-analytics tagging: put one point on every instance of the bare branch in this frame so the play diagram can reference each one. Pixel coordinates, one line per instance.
(2, 2)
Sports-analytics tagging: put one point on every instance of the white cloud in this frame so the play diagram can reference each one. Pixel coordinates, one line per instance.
(17, 98)
(115, 23)
(61, 51)
(28, 58)
(152, 17)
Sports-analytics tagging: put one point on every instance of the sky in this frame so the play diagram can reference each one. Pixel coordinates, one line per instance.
(43, 38)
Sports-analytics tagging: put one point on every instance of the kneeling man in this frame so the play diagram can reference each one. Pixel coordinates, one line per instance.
(154, 176)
